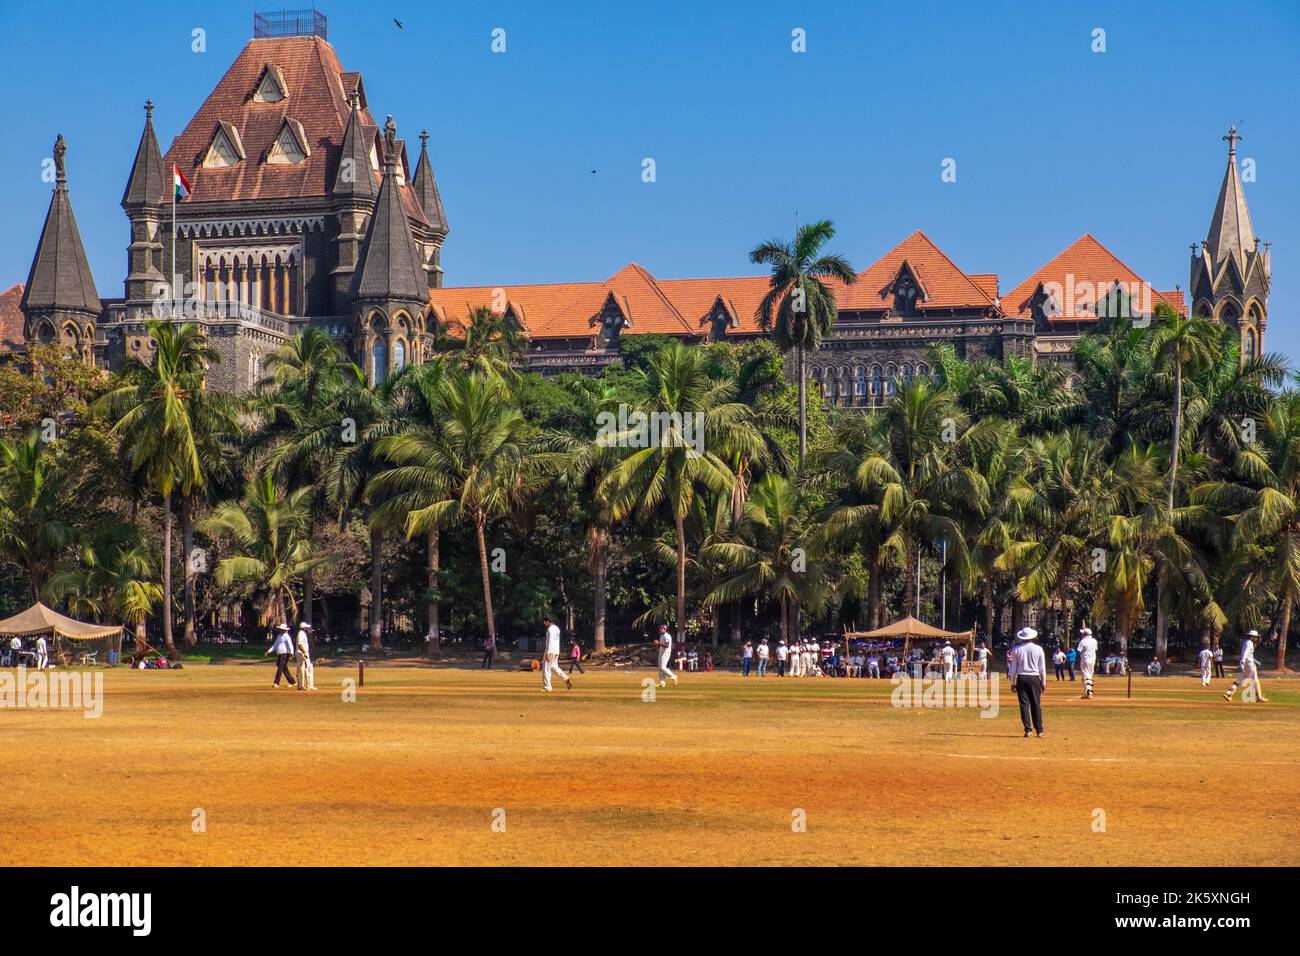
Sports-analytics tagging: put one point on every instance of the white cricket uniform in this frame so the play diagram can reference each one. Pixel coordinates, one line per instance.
(42, 654)
(948, 655)
(551, 659)
(1249, 671)
(1087, 648)
(808, 658)
(306, 672)
(1207, 661)
(873, 666)
(782, 655)
(665, 642)
(982, 656)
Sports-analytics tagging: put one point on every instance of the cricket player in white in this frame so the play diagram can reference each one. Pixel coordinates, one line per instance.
(551, 659)
(1087, 648)
(948, 655)
(982, 656)
(306, 672)
(807, 659)
(42, 653)
(1207, 661)
(1249, 672)
(665, 643)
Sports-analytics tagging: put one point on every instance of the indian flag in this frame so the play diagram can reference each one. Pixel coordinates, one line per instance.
(181, 184)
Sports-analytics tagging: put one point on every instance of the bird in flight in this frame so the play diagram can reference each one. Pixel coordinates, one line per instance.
(399, 23)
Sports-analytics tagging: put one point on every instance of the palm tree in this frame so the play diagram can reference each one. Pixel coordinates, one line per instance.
(151, 406)
(475, 467)
(113, 579)
(799, 308)
(33, 504)
(670, 473)
(489, 343)
(770, 556)
(270, 535)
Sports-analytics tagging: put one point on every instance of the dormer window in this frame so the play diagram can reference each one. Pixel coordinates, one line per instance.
(270, 87)
(226, 148)
(905, 293)
(290, 146)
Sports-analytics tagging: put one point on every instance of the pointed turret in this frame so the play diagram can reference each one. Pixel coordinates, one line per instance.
(354, 179)
(60, 302)
(1230, 272)
(146, 187)
(390, 287)
(1230, 232)
(145, 191)
(426, 189)
(390, 266)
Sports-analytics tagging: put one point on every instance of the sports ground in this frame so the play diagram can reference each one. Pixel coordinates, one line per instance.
(422, 764)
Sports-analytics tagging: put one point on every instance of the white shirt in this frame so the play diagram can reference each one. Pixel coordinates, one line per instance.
(763, 651)
(40, 645)
(1088, 647)
(781, 651)
(748, 650)
(1207, 655)
(16, 644)
(1028, 658)
(947, 654)
(281, 643)
(553, 640)
(1058, 657)
(304, 647)
(1247, 653)
(665, 642)
(981, 653)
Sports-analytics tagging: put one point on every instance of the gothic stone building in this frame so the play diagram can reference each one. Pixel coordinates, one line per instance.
(304, 211)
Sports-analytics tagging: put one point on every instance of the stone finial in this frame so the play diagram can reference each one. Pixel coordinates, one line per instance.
(148, 109)
(1231, 140)
(60, 172)
(424, 140)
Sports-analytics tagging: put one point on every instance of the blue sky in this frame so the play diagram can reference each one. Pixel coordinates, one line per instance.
(1051, 139)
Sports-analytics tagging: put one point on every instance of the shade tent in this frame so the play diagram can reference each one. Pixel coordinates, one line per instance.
(39, 619)
(909, 629)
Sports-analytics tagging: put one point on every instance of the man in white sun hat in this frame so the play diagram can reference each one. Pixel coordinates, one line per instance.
(1087, 649)
(1028, 674)
(302, 644)
(1248, 675)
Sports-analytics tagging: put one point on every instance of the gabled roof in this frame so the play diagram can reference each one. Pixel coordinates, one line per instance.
(1230, 232)
(946, 286)
(1083, 261)
(390, 265)
(426, 188)
(60, 276)
(11, 318)
(146, 185)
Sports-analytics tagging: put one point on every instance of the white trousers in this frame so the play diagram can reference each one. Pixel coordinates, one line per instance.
(947, 672)
(551, 662)
(306, 673)
(1205, 674)
(1086, 667)
(1248, 677)
(665, 672)
(42, 661)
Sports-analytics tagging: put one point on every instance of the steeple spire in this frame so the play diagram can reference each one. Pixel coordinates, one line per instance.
(390, 266)
(60, 280)
(146, 187)
(355, 179)
(1230, 232)
(426, 188)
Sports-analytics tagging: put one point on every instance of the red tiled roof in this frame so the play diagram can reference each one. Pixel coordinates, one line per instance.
(318, 88)
(1084, 264)
(11, 319)
(945, 286)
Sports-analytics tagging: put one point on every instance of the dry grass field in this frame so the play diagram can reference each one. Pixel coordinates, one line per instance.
(708, 773)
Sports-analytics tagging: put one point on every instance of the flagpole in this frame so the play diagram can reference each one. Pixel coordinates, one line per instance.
(173, 245)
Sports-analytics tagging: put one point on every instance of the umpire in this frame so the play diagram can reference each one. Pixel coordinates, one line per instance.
(1028, 673)
(282, 648)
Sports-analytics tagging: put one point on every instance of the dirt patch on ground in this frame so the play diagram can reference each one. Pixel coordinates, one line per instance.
(720, 770)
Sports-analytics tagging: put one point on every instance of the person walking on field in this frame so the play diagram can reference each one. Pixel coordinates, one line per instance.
(746, 658)
(42, 654)
(282, 648)
(489, 649)
(1207, 662)
(575, 658)
(1218, 662)
(763, 652)
(947, 655)
(1248, 675)
(1058, 661)
(1028, 674)
(1087, 659)
(782, 653)
(306, 671)
(665, 644)
(551, 657)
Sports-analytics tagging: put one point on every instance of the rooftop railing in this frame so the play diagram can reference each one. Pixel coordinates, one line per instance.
(290, 23)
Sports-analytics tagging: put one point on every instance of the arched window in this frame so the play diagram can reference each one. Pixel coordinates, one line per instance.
(378, 361)
(877, 384)
(860, 384)
(399, 355)
(907, 374)
(891, 378)
(1248, 345)
(923, 370)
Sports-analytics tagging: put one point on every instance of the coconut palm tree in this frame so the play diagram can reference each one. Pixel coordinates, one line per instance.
(476, 467)
(799, 307)
(488, 342)
(672, 458)
(111, 579)
(33, 505)
(770, 556)
(151, 405)
(270, 535)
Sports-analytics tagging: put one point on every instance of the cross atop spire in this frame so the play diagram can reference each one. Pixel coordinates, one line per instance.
(1231, 140)
(148, 109)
